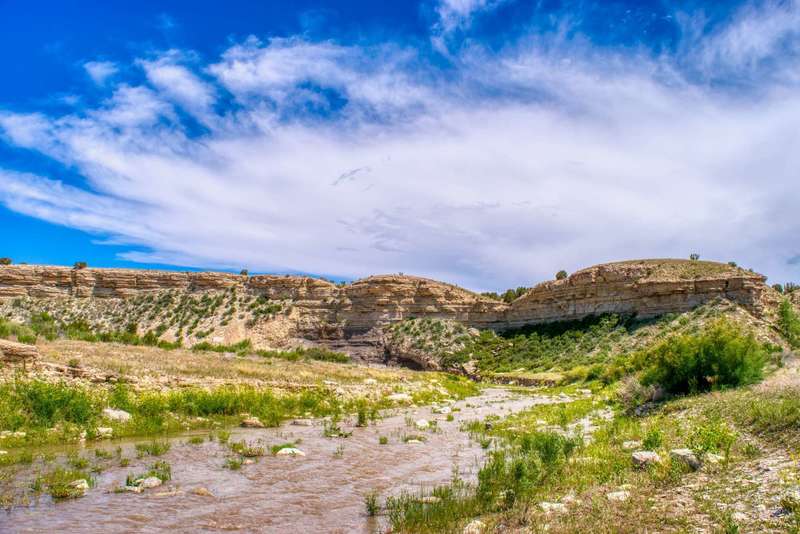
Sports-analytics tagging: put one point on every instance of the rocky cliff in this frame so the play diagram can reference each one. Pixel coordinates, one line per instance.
(277, 311)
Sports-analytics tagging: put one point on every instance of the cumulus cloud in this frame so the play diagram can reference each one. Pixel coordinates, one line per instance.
(100, 71)
(355, 160)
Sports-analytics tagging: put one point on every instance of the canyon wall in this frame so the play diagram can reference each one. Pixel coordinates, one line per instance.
(323, 310)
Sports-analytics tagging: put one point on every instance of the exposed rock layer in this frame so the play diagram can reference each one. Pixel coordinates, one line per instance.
(325, 311)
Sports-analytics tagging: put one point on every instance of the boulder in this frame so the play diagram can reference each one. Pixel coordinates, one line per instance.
(422, 424)
(618, 496)
(149, 482)
(645, 458)
(553, 507)
(202, 492)
(13, 352)
(120, 416)
(475, 526)
(80, 485)
(104, 432)
(687, 456)
(252, 422)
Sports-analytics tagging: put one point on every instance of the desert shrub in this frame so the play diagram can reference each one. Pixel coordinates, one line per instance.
(653, 439)
(712, 435)
(721, 356)
(789, 323)
(632, 393)
(5, 261)
(80, 265)
(561, 275)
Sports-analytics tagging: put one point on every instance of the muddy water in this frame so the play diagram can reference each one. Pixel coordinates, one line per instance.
(321, 492)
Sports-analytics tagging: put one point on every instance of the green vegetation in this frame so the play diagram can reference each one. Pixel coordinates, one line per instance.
(302, 353)
(789, 323)
(61, 483)
(154, 448)
(161, 470)
(719, 357)
(509, 295)
(5, 261)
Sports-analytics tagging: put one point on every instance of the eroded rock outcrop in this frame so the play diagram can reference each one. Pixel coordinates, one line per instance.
(13, 352)
(354, 315)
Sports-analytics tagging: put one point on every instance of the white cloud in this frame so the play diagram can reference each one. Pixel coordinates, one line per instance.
(455, 14)
(510, 167)
(100, 71)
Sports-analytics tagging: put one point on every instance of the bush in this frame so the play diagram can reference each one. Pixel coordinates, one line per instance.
(789, 323)
(694, 256)
(560, 275)
(632, 393)
(5, 261)
(80, 265)
(721, 356)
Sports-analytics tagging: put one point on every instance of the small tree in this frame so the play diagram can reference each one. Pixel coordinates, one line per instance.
(5, 261)
(80, 265)
(790, 287)
(560, 275)
(778, 288)
(244, 272)
(694, 256)
(732, 264)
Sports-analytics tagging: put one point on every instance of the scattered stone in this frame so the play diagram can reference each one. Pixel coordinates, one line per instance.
(290, 451)
(686, 456)
(104, 432)
(739, 517)
(202, 492)
(133, 489)
(149, 482)
(585, 392)
(252, 422)
(248, 461)
(370, 381)
(444, 410)
(712, 458)
(618, 496)
(303, 422)
(422, 424)
(474, 527)
(553, 507)
(413, 441)
(330, 383)
(400, 397)
(630, 445)
(644, 458)
(116, 415)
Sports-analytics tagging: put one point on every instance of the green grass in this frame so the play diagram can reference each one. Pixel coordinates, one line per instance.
(789, 323)
(161, 470)
(153, 448)
(58, 483)
(312, 353)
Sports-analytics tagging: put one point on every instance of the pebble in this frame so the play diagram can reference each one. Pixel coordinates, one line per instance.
(202, 492)
(422, 424)
(413, 441)
(80, 484)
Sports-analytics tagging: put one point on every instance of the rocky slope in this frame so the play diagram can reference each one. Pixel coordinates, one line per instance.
(281, 311)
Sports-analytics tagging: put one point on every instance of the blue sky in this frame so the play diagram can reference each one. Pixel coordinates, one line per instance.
(485, 142)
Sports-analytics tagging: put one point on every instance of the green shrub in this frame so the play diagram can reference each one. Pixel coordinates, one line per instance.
(653, 439)
(789, 323)
(5, 261)
(40, 404)
(719, 357)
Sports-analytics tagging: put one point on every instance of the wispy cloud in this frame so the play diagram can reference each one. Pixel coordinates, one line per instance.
(495, 171)
(100, 71)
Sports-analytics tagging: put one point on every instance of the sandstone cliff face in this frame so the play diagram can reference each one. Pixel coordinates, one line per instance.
(319, 310)
(643, 288)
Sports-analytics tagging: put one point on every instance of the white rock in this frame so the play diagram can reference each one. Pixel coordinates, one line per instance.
(584, 391)
(2, 453)
(80, 484)
(644, 458)
(133, 489)
(618, 496)
(330, 383)
(739, 516)
(686, 456)
(444, 410)
(553, 507)
(370, 381)
(630, 445)
(413, 441)
(149, 482)
(474, 527)
(104, 432)
(116, 415)
(400, 397)
(714, 458)
(290, 451)
(422, 424)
